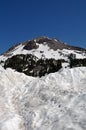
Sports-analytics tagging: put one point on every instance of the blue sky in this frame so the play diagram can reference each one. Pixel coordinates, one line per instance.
(22, 20)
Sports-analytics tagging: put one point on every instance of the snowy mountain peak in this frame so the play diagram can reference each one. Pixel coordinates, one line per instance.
(41, 56)
(56, 101)
(51, 43)
(45, 47)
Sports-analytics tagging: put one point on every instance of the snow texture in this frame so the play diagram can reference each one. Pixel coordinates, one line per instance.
(54, 102)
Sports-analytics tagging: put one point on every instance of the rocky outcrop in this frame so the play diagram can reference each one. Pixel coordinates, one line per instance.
(52, 43)
(32, 66)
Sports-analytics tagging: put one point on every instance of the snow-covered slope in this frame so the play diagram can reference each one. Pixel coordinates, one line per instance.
(42, 56)
(44, 47)
(54, 102)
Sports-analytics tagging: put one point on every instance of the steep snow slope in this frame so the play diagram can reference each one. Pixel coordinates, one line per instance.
(44, 47)
(53, 102)
(44, 50)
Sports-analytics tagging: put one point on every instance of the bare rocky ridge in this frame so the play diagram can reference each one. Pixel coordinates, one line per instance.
(52, 43)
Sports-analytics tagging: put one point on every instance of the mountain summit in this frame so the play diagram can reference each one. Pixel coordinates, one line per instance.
(41, 56)
(39, 44)
(43, 86)
(54, 44)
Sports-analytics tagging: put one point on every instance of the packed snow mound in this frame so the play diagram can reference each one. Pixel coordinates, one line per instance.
(54, 102)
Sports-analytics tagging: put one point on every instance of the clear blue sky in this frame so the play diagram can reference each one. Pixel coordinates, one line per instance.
(22, 20)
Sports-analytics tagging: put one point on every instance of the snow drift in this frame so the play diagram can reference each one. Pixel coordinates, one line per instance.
(54, 102)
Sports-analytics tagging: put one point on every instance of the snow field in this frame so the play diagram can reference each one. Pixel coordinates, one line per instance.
(54, 102)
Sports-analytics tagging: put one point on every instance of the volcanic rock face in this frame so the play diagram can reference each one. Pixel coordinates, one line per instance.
(30, 45)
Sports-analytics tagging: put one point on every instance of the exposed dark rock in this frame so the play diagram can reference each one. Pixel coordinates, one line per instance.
(30, 45)
(77, 63)
(32, 66)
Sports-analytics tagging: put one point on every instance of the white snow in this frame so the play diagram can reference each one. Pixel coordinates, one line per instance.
(54, 102)
(79, 55)
(15, 123)
(44, 51)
